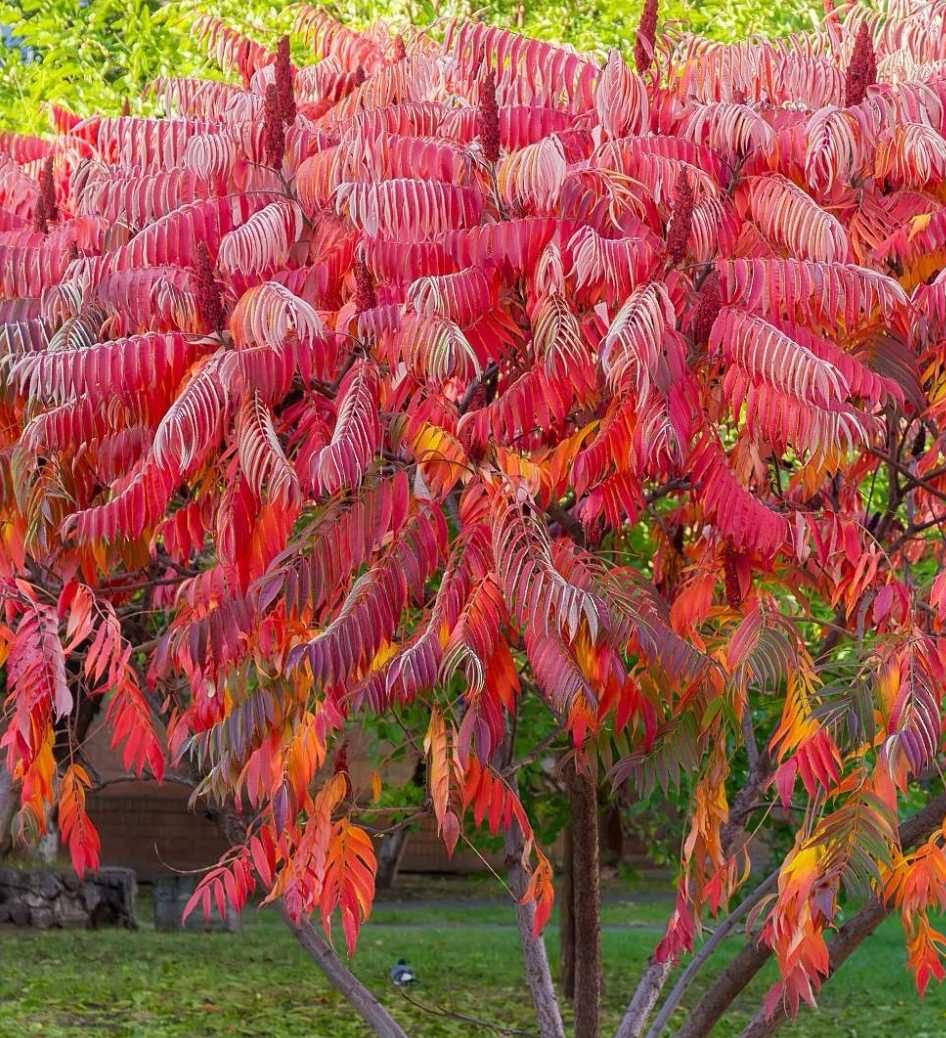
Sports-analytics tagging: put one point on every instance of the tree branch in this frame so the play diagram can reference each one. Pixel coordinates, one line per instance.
(534, 956)
(695, 964)
(644, 999)
(342, 979)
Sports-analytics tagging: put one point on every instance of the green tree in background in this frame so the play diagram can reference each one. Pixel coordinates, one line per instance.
(92, 55)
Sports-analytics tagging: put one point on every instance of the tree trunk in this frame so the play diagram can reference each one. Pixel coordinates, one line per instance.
(645, 998)
(389, 858)
(534, 956)
(718, 998)
(723, 929)
(566, 915)
(733, 838)
(47, 847)
(343, 980)
(9, 801)
(587, 904)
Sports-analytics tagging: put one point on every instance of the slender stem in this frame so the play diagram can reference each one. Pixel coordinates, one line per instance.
(710, 945)
(451, 1015)
(916, 480)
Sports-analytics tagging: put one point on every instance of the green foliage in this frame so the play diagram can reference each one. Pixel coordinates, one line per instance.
(92, 55)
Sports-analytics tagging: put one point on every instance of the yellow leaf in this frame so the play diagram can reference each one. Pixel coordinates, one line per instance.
(441, 456)
(918, 224)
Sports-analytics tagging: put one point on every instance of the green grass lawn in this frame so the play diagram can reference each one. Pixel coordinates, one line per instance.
(259, 984)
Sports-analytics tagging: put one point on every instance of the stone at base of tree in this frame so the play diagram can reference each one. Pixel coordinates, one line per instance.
(56, 899)
(171, 893)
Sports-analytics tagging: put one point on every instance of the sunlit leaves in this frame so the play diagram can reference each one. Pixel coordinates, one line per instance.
(263, 242)
(766, 353)
(349, 879)
(621, 100)
(410, 208)
(793, 220)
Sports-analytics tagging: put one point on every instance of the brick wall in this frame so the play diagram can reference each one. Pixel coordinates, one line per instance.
(150, 829)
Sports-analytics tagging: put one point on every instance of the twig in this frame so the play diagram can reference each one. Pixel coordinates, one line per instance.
(667, 488)
(440, 1011)
(567, 522)
(916, 480)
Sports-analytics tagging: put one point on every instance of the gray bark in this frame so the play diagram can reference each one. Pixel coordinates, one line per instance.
(719, 997)
(733, 838)
(534, 957)
(343, 980)
(644, 999)
(709, 946)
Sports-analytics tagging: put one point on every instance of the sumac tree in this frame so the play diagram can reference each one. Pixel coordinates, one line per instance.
(443, 372)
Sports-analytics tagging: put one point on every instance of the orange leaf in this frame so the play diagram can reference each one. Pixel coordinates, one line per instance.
(77, 830)
(349, 880)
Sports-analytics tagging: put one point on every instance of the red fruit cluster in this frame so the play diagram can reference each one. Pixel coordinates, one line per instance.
(487, 118)
(45, 211)
(274, 135)
(862, 70)
(681, 219)
(646, 33)
(209, 305)
(707, 309)
(731, 579)
(284, 88)
(365, 297)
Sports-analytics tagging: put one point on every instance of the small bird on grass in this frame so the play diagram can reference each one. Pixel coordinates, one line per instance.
(402, 975)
